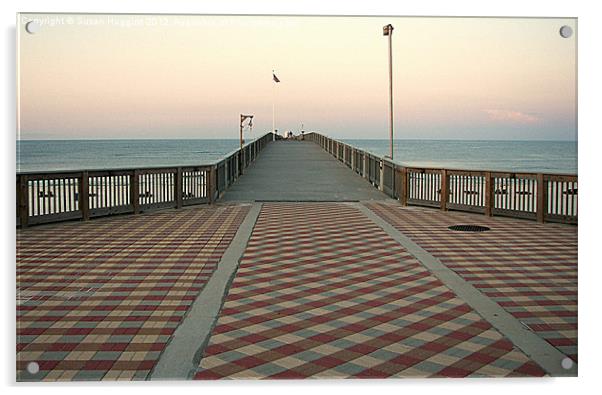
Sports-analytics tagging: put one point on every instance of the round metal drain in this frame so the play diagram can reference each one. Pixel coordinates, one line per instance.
(468, 228)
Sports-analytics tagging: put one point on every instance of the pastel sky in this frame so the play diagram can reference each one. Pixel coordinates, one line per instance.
(109, 76)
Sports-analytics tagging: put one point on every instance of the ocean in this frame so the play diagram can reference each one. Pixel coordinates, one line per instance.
(526, 156)
(513, 156)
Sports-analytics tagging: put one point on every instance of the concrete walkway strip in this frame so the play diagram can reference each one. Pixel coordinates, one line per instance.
(181, 357)
(540, 351)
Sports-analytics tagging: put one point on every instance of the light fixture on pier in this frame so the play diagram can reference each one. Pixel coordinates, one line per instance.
(243, 118)
(388, 31)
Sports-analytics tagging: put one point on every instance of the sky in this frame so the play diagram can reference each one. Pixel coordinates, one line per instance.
(150, 76)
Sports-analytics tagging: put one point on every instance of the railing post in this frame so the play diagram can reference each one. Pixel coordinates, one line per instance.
(444, 189)
(397, 188)
(381, 184)
(211, 183)
(84, 195)
(542, 198)
(178, 188)
(365, 165)
(135, 191)
(23, 200)
(404, 187)
(488, 194)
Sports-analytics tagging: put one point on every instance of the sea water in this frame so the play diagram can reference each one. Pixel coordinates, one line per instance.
(523, 156)
(513, 156)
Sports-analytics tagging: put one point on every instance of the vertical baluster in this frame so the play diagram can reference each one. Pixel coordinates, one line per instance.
(472, 189)
(63, 191)
(553, 201)
(518, 196)
(534, 195)
(159, 187)
(512, 202)
(465, 197)
(160, 182)
(50, 197)
(503, 184)
(44, 192)
(164, 189)
(559, 198)
(431, 184)
(57, 195)
(150, 188)
(97, 193)
(38, 199)
(70, 194)
(30, 195)
(564, 198)
(521, 203)
(576, 199)
(461, 189)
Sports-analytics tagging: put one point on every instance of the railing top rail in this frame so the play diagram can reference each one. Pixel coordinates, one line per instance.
(509, 173)
(133, 168)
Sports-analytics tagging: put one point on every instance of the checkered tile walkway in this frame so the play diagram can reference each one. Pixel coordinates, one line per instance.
(323, 292)
(100, 299)
(529, 269)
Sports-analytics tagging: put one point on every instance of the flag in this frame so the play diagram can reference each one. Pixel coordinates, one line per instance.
(275, 78)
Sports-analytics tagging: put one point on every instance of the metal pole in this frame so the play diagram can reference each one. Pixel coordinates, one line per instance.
(241, 152)
(391, 92)
(241, 121)
(274, 109)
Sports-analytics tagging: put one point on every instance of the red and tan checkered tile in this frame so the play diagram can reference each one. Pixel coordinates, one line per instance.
(529, 269)
(323, 292)
(99, 300)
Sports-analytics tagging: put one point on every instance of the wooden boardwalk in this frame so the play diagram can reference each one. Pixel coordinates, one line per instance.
(299, 171)
(301, 270)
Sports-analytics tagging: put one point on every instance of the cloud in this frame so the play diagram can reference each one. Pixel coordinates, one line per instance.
(511, 116)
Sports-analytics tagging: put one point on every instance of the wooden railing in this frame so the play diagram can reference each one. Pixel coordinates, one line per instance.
(44, 197)
(536, 196)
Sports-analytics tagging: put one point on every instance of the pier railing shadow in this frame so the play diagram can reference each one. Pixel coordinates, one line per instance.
(536, 196)
(53, 196)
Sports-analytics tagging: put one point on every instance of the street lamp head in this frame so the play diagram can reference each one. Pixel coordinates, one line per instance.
(387, 30)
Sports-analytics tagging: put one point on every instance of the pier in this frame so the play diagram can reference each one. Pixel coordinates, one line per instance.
(295, 259)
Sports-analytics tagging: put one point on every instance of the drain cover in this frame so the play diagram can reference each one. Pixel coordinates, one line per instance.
(468, 228)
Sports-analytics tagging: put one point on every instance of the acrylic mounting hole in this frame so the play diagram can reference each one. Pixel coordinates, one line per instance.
(32, 27)
(33, 367)
(566, 31)
(567, 363)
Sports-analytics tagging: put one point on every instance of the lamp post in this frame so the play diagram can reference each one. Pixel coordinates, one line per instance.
(243, 118)
(388, 31)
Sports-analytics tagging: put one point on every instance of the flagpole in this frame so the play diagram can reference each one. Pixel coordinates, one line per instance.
(273, 107)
